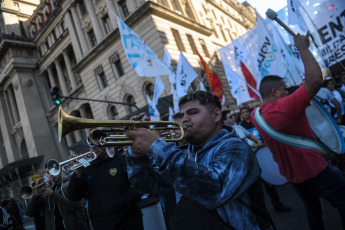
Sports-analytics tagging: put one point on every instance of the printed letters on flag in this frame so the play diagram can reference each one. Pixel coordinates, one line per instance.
(139, 54)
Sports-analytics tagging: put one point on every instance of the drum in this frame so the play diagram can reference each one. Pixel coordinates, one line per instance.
(269, 168)
(324, 127)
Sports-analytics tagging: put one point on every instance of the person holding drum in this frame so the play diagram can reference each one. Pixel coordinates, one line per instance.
(229, 119)
(305, 168)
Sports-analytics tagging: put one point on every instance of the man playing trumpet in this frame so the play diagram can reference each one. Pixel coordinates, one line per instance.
(60, 213)
(218, 174)
(111, 198)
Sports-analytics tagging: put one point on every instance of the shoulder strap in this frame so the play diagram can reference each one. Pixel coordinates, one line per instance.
(302, 142)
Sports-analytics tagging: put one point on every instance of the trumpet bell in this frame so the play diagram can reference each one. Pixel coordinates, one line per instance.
(26, 192)
(53, 167)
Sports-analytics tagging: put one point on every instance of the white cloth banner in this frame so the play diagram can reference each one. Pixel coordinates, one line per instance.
(171, 113)
(326, 21)
(257, 51)
(139, 54)
(172, 79)
(185, 75)
(294, 16)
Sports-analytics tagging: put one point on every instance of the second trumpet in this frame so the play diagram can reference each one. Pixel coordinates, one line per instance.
(54, 167)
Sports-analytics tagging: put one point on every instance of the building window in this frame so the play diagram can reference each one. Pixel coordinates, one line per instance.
(117, 65)
(101, 79)
(112, 113)
(204, 48)
(92, 38)
(189, 11)
(46, 44)
(149, 90)
(191, 43)
(83, 9)
(106, 24)
(223, 34)
(178, 40)
(124, 8)
(54, 35)
(129, 99)
(176, 5)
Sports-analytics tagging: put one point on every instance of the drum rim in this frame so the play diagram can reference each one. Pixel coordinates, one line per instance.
(319, 105)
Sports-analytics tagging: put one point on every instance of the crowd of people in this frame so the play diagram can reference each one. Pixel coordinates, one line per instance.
(209, 180)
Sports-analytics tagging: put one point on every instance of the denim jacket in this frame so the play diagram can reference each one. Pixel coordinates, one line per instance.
(221, 175)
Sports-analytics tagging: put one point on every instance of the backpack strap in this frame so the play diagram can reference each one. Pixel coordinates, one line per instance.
(298, 141)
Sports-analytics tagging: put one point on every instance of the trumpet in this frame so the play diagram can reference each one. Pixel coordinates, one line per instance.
(68, 123)
(27, 191)
(54, 167)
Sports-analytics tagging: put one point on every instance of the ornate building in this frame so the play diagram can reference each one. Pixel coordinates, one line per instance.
(75, 45)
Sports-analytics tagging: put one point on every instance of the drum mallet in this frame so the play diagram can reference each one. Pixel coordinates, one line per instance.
(271, 14)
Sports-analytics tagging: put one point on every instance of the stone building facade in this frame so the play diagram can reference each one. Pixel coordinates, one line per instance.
(75, 45)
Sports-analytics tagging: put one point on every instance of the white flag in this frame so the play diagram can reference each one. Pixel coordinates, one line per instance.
(185, 75)
(139, 54)
(154, 113)
(159, 88)
(171, 113)
(172, 79)
(294, 16)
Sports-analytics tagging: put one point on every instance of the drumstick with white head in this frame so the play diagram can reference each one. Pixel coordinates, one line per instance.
(271, 14)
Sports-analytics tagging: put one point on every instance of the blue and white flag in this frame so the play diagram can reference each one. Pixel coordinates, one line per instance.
(139, 54)
(185, 75)
(154, 113)
(172, 78)
(171, 113)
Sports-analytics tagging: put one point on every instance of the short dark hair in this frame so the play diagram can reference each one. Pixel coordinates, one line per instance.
(205, 98)
(268, 83)
(245, 107)
(224, 114)
(326, 81)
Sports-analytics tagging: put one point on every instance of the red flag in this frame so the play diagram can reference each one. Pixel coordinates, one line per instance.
(215, 83)
(250, 80)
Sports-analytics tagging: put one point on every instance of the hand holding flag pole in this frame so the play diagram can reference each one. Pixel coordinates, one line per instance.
(271, 14)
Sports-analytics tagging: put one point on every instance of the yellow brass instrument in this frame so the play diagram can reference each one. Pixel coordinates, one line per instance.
(27, 191)
(54, 167)
(68, 123)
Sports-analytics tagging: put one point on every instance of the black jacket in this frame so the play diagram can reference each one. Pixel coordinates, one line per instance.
(112, 200)
(70, 210)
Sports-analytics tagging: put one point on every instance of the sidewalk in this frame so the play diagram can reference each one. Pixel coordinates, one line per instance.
(297, 220)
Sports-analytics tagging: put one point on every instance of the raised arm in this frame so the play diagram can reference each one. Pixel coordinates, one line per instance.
(313, 74)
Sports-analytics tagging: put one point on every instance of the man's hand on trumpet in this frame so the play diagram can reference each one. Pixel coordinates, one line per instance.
(143, 138)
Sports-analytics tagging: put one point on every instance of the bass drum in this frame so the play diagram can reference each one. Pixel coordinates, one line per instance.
(324, 127)
(269, 168)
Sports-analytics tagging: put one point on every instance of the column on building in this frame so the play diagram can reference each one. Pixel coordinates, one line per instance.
(61, 77)
(84, 115)
(75, 43)
(71, 75)
(95, 22)
(111, 6)
(51, 77)
(13, 105)
(81, 35)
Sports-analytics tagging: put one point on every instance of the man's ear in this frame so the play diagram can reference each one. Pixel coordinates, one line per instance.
(217, 114)
(274, 91)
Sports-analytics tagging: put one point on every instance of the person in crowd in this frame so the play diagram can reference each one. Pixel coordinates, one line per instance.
(59, 212)
(247, 123)
(12, 209)
(4, 219)
(325, 96)
(217, 175)
(229, 119)
(306, 169)
(112, 201)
